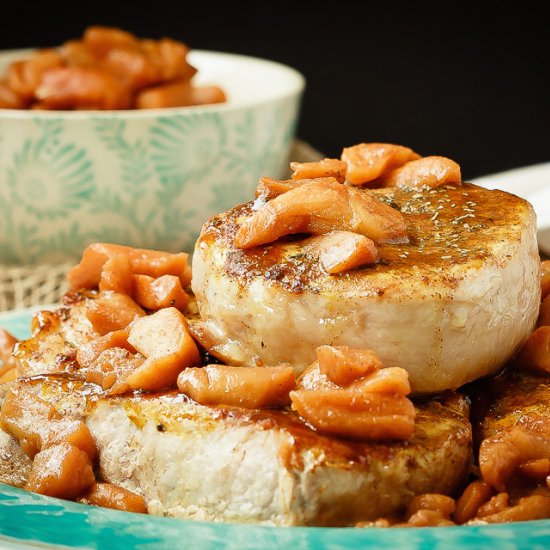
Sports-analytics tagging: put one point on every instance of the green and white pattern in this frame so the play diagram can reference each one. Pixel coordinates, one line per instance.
(146, 181)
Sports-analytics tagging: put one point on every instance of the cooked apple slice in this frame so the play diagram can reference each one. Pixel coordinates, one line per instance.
(164, 339)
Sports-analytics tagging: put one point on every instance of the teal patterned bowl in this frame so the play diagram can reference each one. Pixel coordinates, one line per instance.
(144, 178)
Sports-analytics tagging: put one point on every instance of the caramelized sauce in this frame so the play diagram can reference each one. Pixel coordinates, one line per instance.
(432, 426)
(447, 227)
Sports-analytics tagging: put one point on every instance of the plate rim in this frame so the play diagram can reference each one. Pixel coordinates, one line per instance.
(531, 182)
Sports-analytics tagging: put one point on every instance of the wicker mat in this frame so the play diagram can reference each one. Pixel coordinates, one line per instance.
(25, 286)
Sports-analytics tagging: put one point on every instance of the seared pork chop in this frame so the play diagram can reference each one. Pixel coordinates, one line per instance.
(515, 398)
(511, 416)
(58, 336)
(451, 305)
(230, 464)
(224, 463)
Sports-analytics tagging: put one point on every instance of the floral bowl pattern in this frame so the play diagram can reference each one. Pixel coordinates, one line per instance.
(142, 178)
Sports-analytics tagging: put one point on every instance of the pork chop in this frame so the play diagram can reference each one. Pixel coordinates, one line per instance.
(451, 305)
(229, 464)
(224, 463)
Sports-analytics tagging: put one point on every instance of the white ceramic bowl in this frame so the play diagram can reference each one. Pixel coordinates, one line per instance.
(145, 178)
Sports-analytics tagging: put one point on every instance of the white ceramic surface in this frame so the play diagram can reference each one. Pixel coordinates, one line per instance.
(531, 183)
(143, 178)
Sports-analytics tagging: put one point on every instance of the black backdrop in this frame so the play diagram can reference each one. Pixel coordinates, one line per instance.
(471, 83)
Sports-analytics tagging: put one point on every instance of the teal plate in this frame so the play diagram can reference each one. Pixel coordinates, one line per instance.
(29, 520)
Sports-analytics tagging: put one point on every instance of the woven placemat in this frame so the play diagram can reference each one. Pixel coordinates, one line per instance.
(26, 286)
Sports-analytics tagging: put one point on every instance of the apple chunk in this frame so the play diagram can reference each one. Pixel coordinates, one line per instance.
(164, 339)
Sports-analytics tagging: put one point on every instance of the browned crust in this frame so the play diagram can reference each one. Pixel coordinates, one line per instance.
(513, 398)
(441, 421)
(447, 227)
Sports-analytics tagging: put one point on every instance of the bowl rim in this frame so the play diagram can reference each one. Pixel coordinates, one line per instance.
(296, 87)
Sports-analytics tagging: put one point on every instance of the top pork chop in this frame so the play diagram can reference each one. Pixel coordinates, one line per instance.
(451, 305)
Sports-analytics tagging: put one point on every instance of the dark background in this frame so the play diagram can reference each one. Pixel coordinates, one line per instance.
(471, 83)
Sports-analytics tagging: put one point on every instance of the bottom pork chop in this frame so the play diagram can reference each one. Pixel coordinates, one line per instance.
(229, 464)
(224, 463)
(512, 428)
(514, 398)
